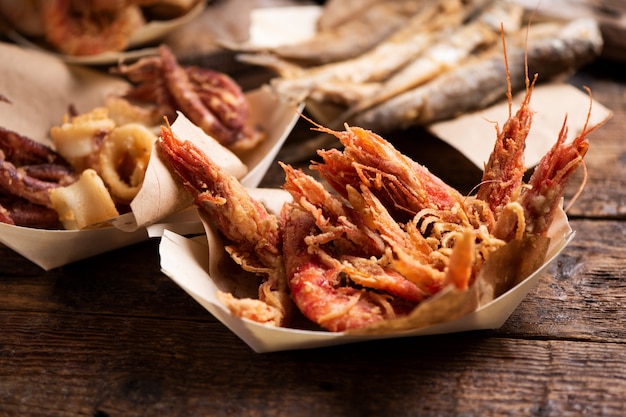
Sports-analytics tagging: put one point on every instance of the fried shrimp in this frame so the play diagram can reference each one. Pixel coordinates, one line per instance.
(389, 235)
(253, 234)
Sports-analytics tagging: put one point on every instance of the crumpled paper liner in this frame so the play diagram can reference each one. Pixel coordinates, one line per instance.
(195, 265)
(40, 88)
(277, 26)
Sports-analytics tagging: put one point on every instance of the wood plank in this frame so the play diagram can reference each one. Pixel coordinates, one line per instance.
(582, 295)
(605, 190)
(66, 364)
(104, 284)
(572, 301)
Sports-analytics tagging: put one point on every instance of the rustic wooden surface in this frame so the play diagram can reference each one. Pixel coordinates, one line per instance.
(112, 336)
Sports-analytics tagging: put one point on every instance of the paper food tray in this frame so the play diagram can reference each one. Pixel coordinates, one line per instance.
(38, 101)
(186, 262)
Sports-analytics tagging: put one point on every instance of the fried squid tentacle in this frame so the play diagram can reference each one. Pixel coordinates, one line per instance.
(210, 99)
(28, 171)
(21, 150)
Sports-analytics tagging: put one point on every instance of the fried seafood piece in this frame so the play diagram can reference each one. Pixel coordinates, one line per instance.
(503, 173)
(122, 111)
(404, 186)
(363, 31)
(84, 203)
(79, 138)
(77, 28)
(375, 65)
(32, 182)
(560, 48)
(253, 236)
(21, 212)
(21, 150)
(123, 160)
(28, 171)
(210, 99)
(542, 197)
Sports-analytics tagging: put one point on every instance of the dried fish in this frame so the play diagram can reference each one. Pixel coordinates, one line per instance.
(481, 82)
(388, 56)
(446, 54)
(447, 51)
(361, 33)
(338, 12)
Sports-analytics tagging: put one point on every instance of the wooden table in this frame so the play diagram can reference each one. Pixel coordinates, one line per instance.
(112, 336)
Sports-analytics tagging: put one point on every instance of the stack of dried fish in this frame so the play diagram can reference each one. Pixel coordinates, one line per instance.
(393, 64)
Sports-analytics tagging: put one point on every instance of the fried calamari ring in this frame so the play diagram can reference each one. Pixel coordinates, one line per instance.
(123, 160)
(79, 138)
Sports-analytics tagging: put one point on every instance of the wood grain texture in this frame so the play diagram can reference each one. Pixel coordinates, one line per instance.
(112, 336)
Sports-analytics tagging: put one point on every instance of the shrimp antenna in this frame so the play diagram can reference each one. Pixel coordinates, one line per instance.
(509, 87)
(477, 186)
(580, 188)
(585, 131)
(526, 70)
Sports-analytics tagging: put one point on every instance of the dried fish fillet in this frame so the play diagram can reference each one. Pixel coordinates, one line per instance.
(354, 37)
(482, 82)
(447, 53)
(338, 12)
(388, 56)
